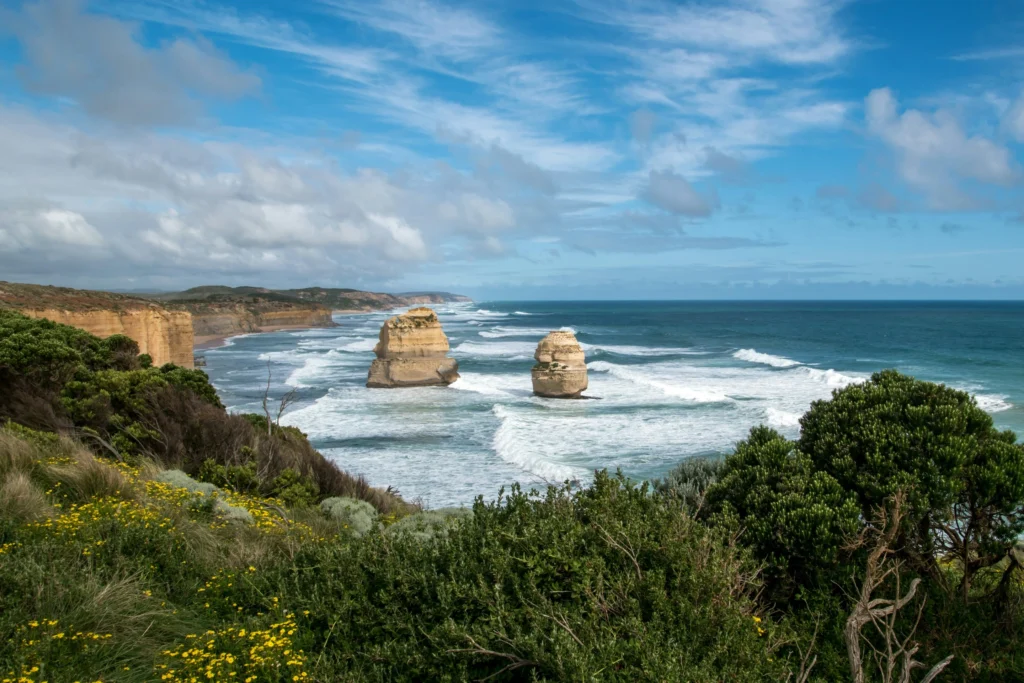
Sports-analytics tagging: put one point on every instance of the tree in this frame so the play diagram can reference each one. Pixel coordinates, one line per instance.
(963, 480)
(795, 518)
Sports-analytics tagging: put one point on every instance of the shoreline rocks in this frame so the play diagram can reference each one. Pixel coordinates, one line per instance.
(561, 369)
(412, 352)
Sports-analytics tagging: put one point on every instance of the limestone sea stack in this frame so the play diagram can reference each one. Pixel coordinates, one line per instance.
(412, 352)
(561, 369)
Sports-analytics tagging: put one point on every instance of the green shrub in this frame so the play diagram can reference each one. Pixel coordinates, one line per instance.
(895, 433)
(794, 518)
(357, 516)
(427, 525)
(689, 481)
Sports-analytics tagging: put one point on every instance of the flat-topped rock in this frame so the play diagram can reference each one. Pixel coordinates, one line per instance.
(561, 369)
(412, 352)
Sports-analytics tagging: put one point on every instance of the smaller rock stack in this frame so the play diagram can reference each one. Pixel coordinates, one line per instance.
(561, 369)
(412, 352)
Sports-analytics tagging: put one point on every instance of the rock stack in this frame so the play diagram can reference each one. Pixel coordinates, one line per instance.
(561, 369)
(412, 352)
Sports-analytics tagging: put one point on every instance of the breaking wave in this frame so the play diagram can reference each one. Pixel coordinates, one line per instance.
(752, 356)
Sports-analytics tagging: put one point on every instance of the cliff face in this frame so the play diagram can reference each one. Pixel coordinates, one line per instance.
(412, 352)
(561, 369)
(226, 320)
(215, 321)
(164, 335)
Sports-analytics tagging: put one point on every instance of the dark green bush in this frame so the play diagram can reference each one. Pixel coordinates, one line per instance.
(963, 479)
(795, 518)
(690, 480)
(606, 583)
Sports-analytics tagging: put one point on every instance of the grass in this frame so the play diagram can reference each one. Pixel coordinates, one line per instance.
(110, 573)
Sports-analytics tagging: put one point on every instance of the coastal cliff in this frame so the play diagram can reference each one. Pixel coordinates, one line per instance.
(165, 335)
(412, 352)
(218, 320)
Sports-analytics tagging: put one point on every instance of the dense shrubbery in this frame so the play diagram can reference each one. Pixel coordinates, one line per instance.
(115, 565)
(65, 380)
(801, 507)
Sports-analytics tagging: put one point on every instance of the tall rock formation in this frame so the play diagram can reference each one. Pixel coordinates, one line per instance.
(561, 369)
(412, 352)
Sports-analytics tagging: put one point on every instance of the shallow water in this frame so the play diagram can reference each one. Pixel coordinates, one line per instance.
(676, 379)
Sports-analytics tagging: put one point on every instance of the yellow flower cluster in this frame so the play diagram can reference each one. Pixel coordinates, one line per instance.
(76, 520)
(4, 547)
(237, 654)
(39, 636)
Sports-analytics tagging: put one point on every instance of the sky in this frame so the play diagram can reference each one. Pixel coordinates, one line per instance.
(565, 149)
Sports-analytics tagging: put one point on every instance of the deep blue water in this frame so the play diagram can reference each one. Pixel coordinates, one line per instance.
(676, 379)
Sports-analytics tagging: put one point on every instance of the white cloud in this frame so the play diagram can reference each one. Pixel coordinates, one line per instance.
(1013, 122)
(673, 193)
(97, 62)
(934, 154)
(45, 228)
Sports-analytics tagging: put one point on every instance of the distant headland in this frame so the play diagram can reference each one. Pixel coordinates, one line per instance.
(170, 325)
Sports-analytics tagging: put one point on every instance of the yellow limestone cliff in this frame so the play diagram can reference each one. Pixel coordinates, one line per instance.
(561, 369)
(412, 352)
(164, 335)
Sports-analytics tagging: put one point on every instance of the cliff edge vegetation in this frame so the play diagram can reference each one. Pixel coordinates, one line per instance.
(165, 335)
(146, 534)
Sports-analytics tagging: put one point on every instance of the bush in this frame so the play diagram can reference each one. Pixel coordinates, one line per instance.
(427, 525)
(357, 516)
(63, 379)
(963, 479)
(795, 518)
(690, 480)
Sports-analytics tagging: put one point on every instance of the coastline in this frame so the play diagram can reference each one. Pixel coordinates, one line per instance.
(207, 342)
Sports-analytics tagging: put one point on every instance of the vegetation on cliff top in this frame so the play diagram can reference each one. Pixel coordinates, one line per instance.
(42, 297)
(881, 542)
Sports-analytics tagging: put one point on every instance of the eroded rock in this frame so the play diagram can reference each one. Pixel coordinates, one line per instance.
(412, 352)
(561, 369)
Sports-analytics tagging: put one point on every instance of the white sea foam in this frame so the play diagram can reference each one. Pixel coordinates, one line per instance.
(516, 441)
(642, 377)
(641, 350)
(500, 332)
(782, 418)
(474, 348)
(360, 345)
(481, 384)
(522, 313)
(832, 378)
(752, 356)
(991, 403)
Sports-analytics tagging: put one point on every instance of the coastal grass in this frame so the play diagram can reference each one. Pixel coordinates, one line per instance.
(142, 580)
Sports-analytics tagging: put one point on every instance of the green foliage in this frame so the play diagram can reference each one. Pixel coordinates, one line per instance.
(240, 478)
(605, 583)
(795, 518)
(293, 489)
(429, 524)
(62, 378)
(357, 516)
(689, 481)
(964, 480)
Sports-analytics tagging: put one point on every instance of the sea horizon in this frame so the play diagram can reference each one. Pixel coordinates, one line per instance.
(677, 379)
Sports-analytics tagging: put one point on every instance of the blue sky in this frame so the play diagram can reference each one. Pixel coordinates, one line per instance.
(518, 150)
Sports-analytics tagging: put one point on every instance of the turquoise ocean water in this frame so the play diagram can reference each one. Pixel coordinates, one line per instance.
(676, 379)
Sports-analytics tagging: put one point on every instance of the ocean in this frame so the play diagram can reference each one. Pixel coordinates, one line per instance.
(675, 379)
